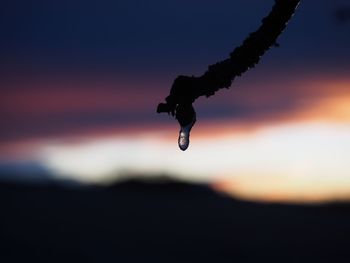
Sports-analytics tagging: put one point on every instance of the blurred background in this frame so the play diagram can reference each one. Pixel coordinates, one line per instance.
(90, 172)
(80, 82)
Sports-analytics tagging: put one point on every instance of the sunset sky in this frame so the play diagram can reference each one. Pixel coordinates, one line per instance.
(80, 82)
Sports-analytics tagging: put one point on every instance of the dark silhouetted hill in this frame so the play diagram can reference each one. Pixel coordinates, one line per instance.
(163, 222)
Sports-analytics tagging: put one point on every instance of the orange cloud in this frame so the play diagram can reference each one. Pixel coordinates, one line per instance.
(282, 188)
(74, 108)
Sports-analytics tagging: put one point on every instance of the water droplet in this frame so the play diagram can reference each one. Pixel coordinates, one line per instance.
(184, 135)
(184, 138)
(186, 117)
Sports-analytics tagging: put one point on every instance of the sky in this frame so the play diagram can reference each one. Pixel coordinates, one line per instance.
(80, 82)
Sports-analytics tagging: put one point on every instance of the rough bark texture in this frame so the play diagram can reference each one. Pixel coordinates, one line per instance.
(186, 89)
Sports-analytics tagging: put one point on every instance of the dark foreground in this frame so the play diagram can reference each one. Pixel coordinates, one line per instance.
(167, 222)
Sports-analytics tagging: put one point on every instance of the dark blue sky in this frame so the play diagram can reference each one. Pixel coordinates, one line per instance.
(76, 65)
(168, 36)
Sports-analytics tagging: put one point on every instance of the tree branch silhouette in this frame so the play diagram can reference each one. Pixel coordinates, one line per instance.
(186, 89)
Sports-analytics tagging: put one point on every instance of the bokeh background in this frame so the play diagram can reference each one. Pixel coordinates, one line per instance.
(80, 82)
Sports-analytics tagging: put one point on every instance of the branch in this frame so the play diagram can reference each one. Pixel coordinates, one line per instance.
(186, 89)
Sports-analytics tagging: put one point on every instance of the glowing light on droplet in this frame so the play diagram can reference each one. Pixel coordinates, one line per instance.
(184, 135)
(184, 139)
